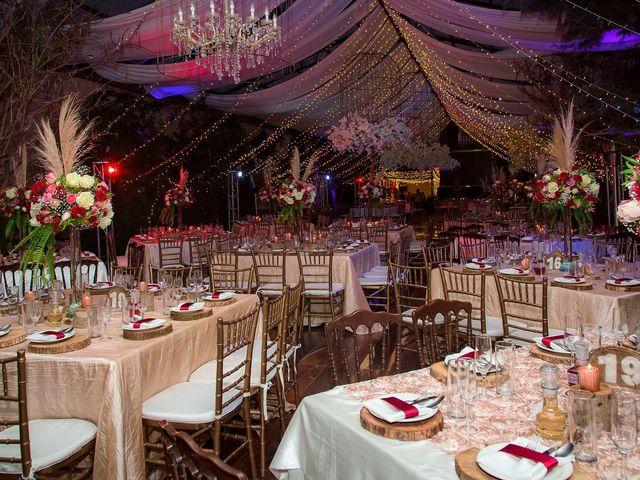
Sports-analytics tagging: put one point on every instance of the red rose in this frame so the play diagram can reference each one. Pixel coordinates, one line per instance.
(571, 203)
(539, 196)
(78, 211)
(577, 178)
(37, 188)
(100, 195)
(56, 221)
(563, 177)
(92, 220)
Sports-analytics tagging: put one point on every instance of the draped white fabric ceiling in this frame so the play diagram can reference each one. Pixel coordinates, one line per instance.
(383, 56)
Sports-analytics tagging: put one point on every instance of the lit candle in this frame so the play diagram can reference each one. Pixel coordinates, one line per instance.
(86, 301)
(29, 296)
(142, 286)
(589, 377)
(525, 263)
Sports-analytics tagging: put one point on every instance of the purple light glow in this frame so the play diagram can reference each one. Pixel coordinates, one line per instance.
(173, 90)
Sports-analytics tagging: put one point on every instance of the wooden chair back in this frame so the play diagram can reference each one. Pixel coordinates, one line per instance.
(26, 281)
(18, 396)
(316, 266)
(466, 287)
(185, 460)
(199, 247)
(435, 255)
(471, 245)
(293, 327)
(274, 311)
(134, 272)
(379, 235)
(135, 255)
(221, 244)
(410, 286)
(436, 341)
(170, 251)
(372, 350)
(524, 306)
(235, 241)
(622, 242)
(269, 267)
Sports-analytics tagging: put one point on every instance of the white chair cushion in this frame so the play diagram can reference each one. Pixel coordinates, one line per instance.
(374, 274)
(494, 326)
(380, 268)
(52, 441)
(321, 289)
(372, 282)
(188, 402)
(406, 317)
(416, 246)
(273, 289)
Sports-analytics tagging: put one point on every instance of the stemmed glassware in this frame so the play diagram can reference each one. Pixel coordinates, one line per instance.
(34, 313)
(571, 332)
(467, 385)
(624, 428)
(483, 359)
(104, 315)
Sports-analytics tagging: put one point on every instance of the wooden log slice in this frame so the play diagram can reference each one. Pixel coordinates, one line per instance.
(187, 316)
(148, 333)
(15, 336)
(574, 286)
(622, 288)
(99, 291)
(220, 303)
(406, 432)
(603, 405)
(468, 469)
(79, 341)
(439, 371)
(547, 356)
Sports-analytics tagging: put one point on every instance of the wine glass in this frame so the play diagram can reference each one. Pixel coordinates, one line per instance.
(467, 385)
(104, 315)
(624, 428)
(483, 359)
(34, 310)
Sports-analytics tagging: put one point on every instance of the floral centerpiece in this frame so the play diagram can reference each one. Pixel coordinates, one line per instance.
(295, 193)
(568, 191)
(177, 198)
(68, 198)
(15, 203)
(629, 210)
(371, 191)
(355, 134)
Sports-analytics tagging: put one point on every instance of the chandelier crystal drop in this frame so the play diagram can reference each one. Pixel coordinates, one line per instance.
(224, 42)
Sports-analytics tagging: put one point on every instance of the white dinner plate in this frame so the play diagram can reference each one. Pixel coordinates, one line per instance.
(223, 296)
(39, 338)
(4, 330)
(560, 472)
(407, 397)
(486, 260)
(196, 307)
(477, 266)
(631, 282)
(541, 345)
(155, 323)
(516, 272)
(570, 280)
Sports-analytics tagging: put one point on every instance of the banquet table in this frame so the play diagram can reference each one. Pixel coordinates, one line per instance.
(594, 306)
(324, 439)
(107, 382)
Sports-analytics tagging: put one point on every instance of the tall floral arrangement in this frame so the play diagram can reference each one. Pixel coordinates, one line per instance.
(371, 191)
(295, 193)
(176, 198)
(15, 204)
(355, 134)
(68, 197)
(567, 191)
(629, 210)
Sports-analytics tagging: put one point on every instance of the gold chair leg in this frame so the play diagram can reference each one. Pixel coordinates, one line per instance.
(246, 407)
(281, 400)
(263, 432)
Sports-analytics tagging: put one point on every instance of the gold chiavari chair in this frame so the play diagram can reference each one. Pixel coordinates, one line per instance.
(291, 339)
(377, 287)
(220, 244)
(435, 255)
(42, 448)
(440, 329)
(235, 241)
(187, 461)
(621, 242)
(349, 351)
(380, 235)
(135, 273)
(199, 246)
(169, 255)
(472, 245)
(269, 268)
(471, 287)
(225, 274)
(215, 393)
(524, 306)
(318, 288)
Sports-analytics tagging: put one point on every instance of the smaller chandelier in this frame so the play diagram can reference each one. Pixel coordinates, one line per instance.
(224, 41)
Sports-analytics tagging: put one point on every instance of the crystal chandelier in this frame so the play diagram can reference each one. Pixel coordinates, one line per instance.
(224, 42)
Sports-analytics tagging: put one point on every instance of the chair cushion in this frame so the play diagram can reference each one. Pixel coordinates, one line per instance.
(375, 274)
(272, 289)
(122, 261)
(321, 289)
(52, 441)
(380, 268)
(407, 317)
(494, 326)
(372, 282)
(188, 402)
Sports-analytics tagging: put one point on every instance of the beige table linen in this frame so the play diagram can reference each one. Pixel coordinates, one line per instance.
(593, 306)
(107, 382)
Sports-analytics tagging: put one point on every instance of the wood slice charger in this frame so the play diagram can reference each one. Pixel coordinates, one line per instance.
(547, 356)
(622, 288)
(15, 336)
(468, 469)
(220, 303)
(573, 286)
(406, 432)
(148, 333)
(186, 316)
(439, 371)
(80, 340)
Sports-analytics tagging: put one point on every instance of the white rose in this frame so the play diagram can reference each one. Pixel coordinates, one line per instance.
(552, 187)
(84, 199)
(34, 222)
(10, 192)
(104, 222)
(546, 178)
(73, 179)
(586, 180)
(66, 216)
(289, 200)
(298, 195)
(87, 181)
(629, 211)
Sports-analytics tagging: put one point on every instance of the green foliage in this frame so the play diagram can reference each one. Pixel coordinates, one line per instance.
(39, 251)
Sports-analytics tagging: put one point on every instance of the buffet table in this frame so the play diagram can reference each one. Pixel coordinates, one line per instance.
(107, 382)
(325, 440)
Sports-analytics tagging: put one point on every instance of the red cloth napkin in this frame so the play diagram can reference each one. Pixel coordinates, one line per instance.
(522, 452)
(577, 279)
(140, 322)
(58, 335)
(185, 306)
(214, 296)
(618, 281)
(408, 409)
(546, 341)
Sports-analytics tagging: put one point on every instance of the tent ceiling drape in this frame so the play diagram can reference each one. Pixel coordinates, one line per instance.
(420, 72)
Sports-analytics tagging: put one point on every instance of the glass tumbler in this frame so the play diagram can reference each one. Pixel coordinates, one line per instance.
(455, 406)
(93, 321)
(505, 362)
(582, 425)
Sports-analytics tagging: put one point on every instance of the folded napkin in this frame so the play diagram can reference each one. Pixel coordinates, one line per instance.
(54, 333)
(516, 462)
(624, 281)
(139, 323)
(483, 260)
(186, 306)
(466, 352)
(219, 295)
(476, 265)
(513, 271)
(394, 408)
(189, 307)
(101, 284)
(569, 279)
(546, 341)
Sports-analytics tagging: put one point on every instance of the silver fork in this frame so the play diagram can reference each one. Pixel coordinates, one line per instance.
(534, 443)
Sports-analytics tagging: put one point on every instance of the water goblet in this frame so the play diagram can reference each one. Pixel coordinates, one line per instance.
(483, 360)
(624, 428)
(104, 315)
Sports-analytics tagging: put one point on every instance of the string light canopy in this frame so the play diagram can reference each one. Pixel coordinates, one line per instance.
(223, 40)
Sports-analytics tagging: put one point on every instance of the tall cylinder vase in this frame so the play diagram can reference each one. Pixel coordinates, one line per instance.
(568, 233)
(75, 256)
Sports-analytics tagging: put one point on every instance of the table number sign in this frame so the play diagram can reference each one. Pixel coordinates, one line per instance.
(554, 261)
(619, 366)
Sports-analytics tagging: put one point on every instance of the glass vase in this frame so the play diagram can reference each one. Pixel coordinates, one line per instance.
(75, 257)
(568, 247)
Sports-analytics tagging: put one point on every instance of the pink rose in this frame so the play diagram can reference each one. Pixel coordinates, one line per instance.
(50, 177)
(51, 189)
(71, 198)
(571, 182)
